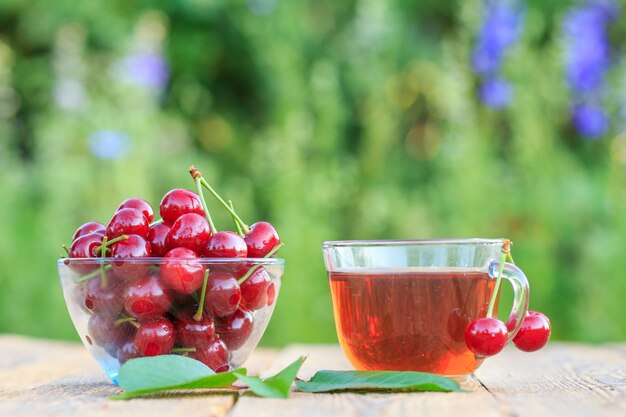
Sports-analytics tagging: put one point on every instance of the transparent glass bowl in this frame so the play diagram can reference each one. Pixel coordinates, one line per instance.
(104, 296)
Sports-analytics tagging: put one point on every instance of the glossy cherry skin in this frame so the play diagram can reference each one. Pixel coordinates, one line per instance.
(127, 221)
(223, 294)
(155, 337)
(104, 297)
(87, 228)
(261, 239)
(146, 299)
(214, 355)
(190, 231)
(105, 333)
(84, 247)
(271, 294)
(533, 333)
(191, 332)
(486, 336)
(181, 271)
(156, 238)
(234, 330)
(138, 204)
(254, 289)
(225, 245)
(133, 247)
(178, 202)
(127, 351)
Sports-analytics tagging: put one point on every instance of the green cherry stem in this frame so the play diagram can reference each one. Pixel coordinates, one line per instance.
(255, 267)
(106, 243)
(66, 250)
(103, 273)
(197, 176)
(204, 206)
(198, 315)
(510, 258)
(506, 249)
(183, 350)
(92, 274)
(237, 226)
(124, 320)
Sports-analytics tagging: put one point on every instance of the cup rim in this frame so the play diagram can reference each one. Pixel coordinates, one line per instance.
(161, 260)
(412, 242)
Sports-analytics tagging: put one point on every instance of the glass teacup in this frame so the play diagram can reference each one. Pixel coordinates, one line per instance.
(405, 305)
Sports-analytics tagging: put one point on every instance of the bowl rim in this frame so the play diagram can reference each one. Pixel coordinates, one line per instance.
(162, 260)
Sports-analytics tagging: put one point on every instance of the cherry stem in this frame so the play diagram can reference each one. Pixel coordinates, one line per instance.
(103, 273)
(106, 244)
(92, 274)
(197, 176)
(506, 249)
(255, 267)
(124, 320)
(204, 206)
(66, 250)
(510, 258)
(198, 315)
(183, 350)
(237, 226)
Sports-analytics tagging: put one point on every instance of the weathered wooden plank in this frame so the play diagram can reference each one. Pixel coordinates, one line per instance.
(571, 379)
(47, 378)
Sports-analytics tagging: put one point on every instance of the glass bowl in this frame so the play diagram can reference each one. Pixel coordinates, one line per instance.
(137, 307)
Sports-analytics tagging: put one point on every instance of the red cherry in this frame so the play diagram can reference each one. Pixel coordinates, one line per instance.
(156, 237)
(105, 333)
(254, 289)
(214, 355)
(180, 272)
(133, 247)
(146, 298)
(87, 228)
(223, 294)
(138, 204)
(127, 351)
(155, 337)
(486, 336)
(533, 333)
(271, 294)
(261, 239)
(234, 330)
(190, 231)
(128, 221)
(226, 245)
(84, 247)
(104, 297)
(191, 332)
(178, 202)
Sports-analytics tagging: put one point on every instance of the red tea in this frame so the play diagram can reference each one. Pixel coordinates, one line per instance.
(410, 320)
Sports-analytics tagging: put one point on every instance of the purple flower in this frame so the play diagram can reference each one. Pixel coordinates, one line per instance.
(500, 30)
(587, 53)
(590, 121)
(109, 144)
(146, 69)
(495, 93)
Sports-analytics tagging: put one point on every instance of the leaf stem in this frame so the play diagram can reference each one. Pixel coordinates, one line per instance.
(237, 226)
(66, 250)
(106, 244)
(124, 320)
(183, 350)
(255, 267)
(92, 274)
(103, 273)
(198, 315)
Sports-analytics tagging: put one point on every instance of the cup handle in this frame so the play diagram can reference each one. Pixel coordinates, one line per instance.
(521, 293)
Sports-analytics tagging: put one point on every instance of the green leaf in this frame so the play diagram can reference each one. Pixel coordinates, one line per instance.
(277, 386)
(325, 381)
(144, 376)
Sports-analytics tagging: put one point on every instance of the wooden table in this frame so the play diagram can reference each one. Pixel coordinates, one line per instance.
(46, 378)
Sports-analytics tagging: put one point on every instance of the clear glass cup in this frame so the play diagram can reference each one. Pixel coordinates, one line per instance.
(404, 305)
(112, 301)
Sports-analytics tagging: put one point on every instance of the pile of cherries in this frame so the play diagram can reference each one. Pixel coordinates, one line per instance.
(178, 304)
(488, 335)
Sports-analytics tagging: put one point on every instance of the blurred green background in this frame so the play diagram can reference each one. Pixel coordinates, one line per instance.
(333, 120)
